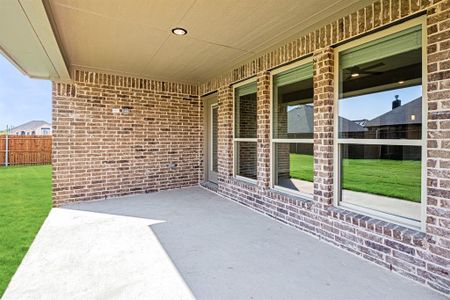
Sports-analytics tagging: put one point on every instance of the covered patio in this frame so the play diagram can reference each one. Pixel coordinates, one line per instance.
(191, 243)
(349, 99)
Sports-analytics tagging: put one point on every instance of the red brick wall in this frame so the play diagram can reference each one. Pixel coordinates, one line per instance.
(99, 154)
(438, 147)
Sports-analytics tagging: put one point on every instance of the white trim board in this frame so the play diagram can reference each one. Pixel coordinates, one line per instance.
(32, 46)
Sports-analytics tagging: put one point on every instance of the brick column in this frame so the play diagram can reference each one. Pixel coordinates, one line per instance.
(62, 140)
(263, 129)
(225, 134)
(323, 125)
(438, 139)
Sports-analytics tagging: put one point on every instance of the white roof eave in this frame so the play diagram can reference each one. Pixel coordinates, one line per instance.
(27, 40)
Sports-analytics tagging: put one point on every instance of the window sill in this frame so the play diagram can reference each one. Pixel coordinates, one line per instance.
(298, 200)
(244, 182)
(245, 179)
(212, 186)
(401, 233)
(390, 218)
(292, 193)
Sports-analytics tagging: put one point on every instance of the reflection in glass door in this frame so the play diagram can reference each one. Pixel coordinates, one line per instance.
(213, 146)
(214, 131)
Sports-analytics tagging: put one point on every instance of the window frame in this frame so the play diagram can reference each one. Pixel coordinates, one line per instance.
(274, 141)
(420, 224)
(237, 140)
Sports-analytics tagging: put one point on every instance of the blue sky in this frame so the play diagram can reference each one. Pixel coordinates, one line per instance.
(372, 105)
(22, 99)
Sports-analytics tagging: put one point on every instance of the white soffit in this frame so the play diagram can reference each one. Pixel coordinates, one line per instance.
(134, 37)
(27, 40)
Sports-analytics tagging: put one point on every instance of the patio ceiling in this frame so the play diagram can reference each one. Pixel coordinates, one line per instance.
(134, 37)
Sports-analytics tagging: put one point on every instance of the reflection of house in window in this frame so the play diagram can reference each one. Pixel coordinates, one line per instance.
(361, 122)
(300, 122)
(402, 122)
(351, 129)
(301, 125)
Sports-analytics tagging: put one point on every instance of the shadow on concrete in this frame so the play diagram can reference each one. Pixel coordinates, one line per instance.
(226, 251)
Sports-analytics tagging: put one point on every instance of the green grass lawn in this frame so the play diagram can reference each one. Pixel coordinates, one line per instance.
(302, 166)
(25, 201)
(392, 178)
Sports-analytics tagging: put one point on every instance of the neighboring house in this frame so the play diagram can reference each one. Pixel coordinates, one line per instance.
(33, 128)
(301, 124)
(300, 120)
(402, 122)
(361, 122)
(130, 107)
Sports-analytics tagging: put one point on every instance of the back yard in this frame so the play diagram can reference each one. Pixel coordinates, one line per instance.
(25, 201)
(391, 178)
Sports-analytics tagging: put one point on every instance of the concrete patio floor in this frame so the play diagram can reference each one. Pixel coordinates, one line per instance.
(191, 243)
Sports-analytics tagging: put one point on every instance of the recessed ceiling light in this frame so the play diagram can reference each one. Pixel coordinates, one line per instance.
(179, 31)
(355, 74)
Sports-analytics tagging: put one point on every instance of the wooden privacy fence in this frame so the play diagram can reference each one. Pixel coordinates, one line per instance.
(25, 150)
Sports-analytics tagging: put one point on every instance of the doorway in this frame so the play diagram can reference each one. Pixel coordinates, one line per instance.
(212, 147)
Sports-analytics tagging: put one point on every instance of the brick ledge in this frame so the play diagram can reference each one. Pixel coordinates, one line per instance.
(401, 233)
(299, 201)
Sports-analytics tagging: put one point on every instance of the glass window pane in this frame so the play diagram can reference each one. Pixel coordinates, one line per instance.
(246, 159)
(245, 111)
(380, 88)
(294, 166)
(293, 109)
(385, 178)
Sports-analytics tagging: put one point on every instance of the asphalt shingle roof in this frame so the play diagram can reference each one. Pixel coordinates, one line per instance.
(400, 115)
(300, 120)
(30, 125)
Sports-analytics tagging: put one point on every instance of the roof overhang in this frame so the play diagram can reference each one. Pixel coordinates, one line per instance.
(27, 40)
(50, 38)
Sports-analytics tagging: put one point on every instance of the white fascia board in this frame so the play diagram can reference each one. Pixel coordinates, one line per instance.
(28, 41)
